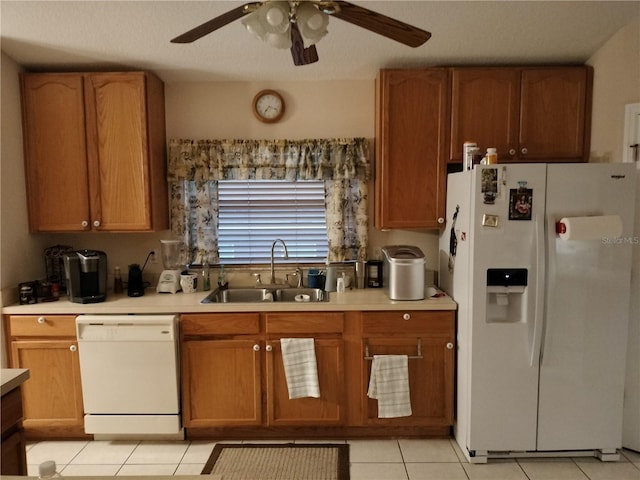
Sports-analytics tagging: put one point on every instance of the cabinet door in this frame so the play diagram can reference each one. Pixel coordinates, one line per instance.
(553, 113)
(221, 383)
(118, 154)
(53, 395)
(430, 380)
(485, 109)
(411, 141)
(326, 410)
(55, 152)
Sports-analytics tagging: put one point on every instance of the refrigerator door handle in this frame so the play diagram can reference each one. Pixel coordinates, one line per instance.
(536, 341)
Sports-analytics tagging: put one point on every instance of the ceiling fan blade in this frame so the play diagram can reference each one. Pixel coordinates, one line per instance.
(301, 55)
(216, 23)
(380, 24)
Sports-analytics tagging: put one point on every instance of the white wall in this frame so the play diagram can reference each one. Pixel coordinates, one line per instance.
(616, 82)
(20, 252)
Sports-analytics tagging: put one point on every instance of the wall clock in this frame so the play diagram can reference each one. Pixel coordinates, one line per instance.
(268, 106)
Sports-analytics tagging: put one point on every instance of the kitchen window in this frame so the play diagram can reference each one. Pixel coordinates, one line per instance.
(252, 214)
(230, 199)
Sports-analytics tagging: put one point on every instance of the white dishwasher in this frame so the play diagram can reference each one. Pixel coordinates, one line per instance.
(129, 369)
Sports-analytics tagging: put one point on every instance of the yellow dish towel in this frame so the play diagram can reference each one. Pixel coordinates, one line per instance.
(389, 384)
(300, 367)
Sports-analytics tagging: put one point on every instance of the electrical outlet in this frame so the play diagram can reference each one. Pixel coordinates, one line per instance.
(153, 258)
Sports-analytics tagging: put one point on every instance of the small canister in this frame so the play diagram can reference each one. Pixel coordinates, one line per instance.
(469, 149)
(492, 156)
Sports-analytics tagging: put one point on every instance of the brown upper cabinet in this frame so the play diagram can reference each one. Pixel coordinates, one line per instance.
(412, 127)
(529, 114)
(95, 155)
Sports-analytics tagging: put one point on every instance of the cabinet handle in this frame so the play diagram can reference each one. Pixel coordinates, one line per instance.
(269, 348)
(73, 348)
(440, 220)
(42, 320)
(96, 223)
(449, 346)
(406, 316)
(84, 224)
(512, 151)
(524, 151)
(256, 348)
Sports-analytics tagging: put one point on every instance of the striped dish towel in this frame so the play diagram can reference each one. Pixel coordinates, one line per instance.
(389, 384)
(300, 368)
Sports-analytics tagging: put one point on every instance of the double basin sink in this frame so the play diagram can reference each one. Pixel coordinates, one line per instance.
(260, 295)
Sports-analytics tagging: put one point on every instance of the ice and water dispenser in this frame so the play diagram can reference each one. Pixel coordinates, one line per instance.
(506, 295)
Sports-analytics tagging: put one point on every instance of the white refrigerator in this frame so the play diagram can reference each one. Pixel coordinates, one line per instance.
(538, 257)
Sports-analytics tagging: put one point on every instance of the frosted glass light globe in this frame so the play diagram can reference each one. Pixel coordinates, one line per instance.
(275, 16)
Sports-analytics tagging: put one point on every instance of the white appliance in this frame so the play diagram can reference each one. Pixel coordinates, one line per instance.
(542, 316)
(129, 372)
(173, 252)
(631, 423)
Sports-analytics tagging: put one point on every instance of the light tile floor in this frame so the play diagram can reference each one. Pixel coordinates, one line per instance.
(370, 460)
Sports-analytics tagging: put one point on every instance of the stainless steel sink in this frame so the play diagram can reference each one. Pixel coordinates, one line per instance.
(260, 295)
(240, 295)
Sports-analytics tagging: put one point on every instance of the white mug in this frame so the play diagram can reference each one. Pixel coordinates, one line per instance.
(189, 282)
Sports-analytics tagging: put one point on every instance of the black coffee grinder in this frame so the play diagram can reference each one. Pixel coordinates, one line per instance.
(86, 274)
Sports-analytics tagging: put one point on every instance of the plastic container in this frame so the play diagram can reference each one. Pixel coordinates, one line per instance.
(492, 156)
(47, 470)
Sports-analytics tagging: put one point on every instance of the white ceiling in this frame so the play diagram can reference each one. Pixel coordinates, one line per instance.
(74, 35)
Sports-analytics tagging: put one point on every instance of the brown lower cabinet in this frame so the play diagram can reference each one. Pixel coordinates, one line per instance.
(427, 338)
(232, 373)
(52, 398)
(233, 378)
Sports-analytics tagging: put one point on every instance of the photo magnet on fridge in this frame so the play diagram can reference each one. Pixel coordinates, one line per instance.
(489, 185)
(520, 203)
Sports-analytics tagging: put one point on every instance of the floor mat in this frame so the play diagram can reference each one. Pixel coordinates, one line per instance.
(279, 461)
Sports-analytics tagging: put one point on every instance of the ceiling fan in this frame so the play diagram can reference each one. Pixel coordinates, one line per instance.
(294, 24)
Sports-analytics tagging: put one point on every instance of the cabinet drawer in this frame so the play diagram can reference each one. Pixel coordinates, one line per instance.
(42, 325)
(304, 322)
(385, 323)
(220, 324)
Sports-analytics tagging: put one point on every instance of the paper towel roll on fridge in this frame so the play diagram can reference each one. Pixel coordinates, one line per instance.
(589, 228)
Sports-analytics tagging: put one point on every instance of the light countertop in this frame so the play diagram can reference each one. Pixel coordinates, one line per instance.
(152, 302)
(11, 378)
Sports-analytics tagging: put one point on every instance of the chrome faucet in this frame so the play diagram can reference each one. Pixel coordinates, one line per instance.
(272, 278)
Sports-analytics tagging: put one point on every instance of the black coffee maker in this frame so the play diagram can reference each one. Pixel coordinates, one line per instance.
(86, 274)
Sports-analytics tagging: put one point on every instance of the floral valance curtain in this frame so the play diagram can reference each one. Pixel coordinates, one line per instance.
(342, 164)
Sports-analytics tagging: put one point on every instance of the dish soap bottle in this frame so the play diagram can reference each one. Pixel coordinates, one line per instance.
(222, 279)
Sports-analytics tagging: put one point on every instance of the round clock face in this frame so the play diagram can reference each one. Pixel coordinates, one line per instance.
(268, 106)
